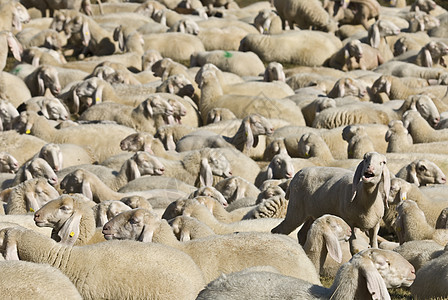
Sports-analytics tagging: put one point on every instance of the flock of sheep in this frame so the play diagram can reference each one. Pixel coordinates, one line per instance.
(305, 139)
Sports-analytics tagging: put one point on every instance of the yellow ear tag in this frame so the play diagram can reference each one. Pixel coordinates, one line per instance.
(97, 99)
(398, 229)
(72, 234)
(86, 33)
(404, 198)
(307, 155)
(31, 209)
(28, 131)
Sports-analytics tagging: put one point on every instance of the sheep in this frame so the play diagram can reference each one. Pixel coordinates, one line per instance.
(185, 46)
(9, 42)
(156, 183)
(400, 141)
(367, 275)
(422, 172)
(34, 168)
(236, 187)
(187, 228)
(418, 253)
(291, 47)
(225, 225)
(219, 114)
(72, 220)
(147, 227)
(29, 145)
(246, 139)
(377, 37)
(356, 55)
(13, 14)
(8, 163)
(430, 279)
(28, 196)
(280, 166)
(211, 192)
(420, 130)
(212, 95)
(358, 140)
(15, 277)
(349, 198)
(267, 21)
(106, 144)
(106, 210)
(7, 114)
(49, 107)
(147, 116)
(431, 205)
(42, 56)
(87, 183)
(304, 14)
(150, 278)
(411, 225)
(429, 55)
(60, 156)
(49, 38)
(237, 62)
(272, 207)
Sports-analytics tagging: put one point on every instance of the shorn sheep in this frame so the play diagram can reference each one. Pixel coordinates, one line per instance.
(72, 220)
(96, 269)
(422, 172)
(367, 275)
(242, 250)
(358, 198)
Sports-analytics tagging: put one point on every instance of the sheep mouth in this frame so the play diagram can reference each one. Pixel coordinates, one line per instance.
(41, 223)
(368, 174)
(108, 236)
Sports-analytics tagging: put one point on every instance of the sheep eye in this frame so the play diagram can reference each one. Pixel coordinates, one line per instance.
(64, 207)
(422, 168)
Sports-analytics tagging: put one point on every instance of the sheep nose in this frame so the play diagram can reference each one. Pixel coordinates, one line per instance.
(106, 227)
(36, 216)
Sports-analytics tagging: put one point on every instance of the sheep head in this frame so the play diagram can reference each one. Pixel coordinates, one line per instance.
(8, 164)
(77, 182)
(212, 162)
(38, 192)
(53, 109)
(425, 172)
(53, 155)
(147, 164)
(136, 224)
(280, 167)
(39, 167)
(210, 192)
(371, 171)
(139, 141)
(7, 114)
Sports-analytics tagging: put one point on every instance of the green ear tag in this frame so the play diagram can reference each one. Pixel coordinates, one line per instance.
(227, 54)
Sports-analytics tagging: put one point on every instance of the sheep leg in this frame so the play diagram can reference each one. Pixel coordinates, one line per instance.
(291, 221)
(373, 235)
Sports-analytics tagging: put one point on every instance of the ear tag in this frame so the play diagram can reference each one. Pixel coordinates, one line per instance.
(28, 131)
(72, 234)
(97, 99)
(31, 209)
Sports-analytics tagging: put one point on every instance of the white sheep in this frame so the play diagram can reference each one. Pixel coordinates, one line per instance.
(281, 166)
(367, 275)
(422, 172)
(28, 196)
(72, 219)
(236, 187)
(7, 114)
(49, 107)
(430, 280)
(107, 136)
(106, 210)
(356, 197)
(359, 142)
(95, 274)
(48, 282)
(8, 163)
(293, 47)
(259, 248)
(420, 130)
(418, 253)
(35, 167)
(411, 225)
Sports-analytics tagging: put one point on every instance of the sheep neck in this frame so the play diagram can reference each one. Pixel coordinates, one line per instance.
(42, 129)
(211, 91)
(101, 191)
(164, 235)
(240, 138)
(349, 284)
(201, 213)
(315, 247)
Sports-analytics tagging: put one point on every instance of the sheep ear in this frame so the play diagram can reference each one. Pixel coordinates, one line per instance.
(357, 178)
(11, 252)
(239, 192)
(87, 190)
(374, 36)
(102, 217)
(375, 283)
(148, 108)
(43, 110)
(270, 171)
(40, 84)
(206, 175)
(132, 171)
(35, 61)
(427, 58)
(332, 245)
(31, 202)
(386, 184)
(388, 135)
(341, 88)
(119, 37)
(85, 33)
(249, 135)
(75, 101)
(15, 47)
(98, 94)
(28, 174)
(170, 144)
(412, 174)
(147, 234)
(69, 232)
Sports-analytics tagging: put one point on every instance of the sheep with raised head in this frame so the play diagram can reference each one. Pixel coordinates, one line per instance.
(367, 275)
(72, 220)
(359, 198)
(95, 274)
(259, 248)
